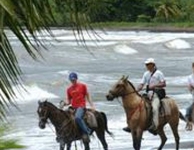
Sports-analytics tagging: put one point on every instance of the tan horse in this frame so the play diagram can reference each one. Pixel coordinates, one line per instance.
(138, 113)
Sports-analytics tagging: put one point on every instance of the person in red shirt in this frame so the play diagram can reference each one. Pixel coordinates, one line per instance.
(77, 95)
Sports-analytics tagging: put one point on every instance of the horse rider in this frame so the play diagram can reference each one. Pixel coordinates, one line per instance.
(155, 82)
(77, 95)
(190, 85)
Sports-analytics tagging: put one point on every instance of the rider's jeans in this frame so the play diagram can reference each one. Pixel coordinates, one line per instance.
(79, 120)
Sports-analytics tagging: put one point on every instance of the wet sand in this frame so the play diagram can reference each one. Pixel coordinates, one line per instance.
(183, 145)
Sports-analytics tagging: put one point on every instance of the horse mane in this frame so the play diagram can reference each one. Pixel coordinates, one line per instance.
(133, 88)
(66, 112)
(50, 104)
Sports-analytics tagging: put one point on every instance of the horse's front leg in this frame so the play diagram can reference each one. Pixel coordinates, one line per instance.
(86, 145)
(162, 137)
(68, 146)
(61, 146)
(137, 137)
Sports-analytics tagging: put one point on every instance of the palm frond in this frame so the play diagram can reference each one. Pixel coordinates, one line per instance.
(27, 19)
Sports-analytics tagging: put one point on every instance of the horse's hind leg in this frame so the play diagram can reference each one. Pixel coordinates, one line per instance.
(162, 137)
(101, 137)
(176, 135)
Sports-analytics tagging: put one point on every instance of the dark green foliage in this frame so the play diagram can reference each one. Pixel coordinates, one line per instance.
(126, 10)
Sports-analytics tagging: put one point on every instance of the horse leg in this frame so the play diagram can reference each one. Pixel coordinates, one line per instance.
(61, 146)
(162, 137)
(137, 137)
(101, 137)
(68, 146)
(86, 145)
(176, 135)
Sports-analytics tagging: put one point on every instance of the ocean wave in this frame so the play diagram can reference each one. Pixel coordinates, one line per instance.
(178, 44)
(24, 94)
(124, 49)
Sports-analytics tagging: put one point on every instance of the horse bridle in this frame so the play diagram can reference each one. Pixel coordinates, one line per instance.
(44, 117)
(120, 93)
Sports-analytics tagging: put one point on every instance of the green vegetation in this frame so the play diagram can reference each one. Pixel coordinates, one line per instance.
(154, 11)
(171, 26)
(8, 143)
(26, 18)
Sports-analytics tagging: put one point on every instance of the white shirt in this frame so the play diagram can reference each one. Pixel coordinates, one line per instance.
(191, 82)
(157, 77)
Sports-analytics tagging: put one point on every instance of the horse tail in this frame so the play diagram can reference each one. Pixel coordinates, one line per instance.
(181, 116)
(106, 124)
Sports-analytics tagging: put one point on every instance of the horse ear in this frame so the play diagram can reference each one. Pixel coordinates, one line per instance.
(45, 100)
(123, 77)
(126, 78)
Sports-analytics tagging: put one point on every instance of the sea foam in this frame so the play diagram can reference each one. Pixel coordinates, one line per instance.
(25, 94)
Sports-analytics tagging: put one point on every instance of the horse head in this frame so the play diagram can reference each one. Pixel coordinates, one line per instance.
(118, 89)
(43, 113)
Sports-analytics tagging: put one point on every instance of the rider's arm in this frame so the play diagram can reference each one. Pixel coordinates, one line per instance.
(67, 100)
(161, 83)
(140, 87)
(88, 98)
(158, 85)
(190, 87)
(142, 83)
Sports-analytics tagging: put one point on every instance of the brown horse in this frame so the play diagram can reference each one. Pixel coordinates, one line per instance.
(138, 112)
(66, 129)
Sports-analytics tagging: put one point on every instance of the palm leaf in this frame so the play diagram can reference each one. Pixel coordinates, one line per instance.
(26, 18)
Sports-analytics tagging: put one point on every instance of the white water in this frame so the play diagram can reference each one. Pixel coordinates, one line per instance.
(119, 53)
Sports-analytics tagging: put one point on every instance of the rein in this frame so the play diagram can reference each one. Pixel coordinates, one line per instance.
(64, 125)
(135, 109)
(129, 93)
(139, 105)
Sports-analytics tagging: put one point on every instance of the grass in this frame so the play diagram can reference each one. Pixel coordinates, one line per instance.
(145, 26)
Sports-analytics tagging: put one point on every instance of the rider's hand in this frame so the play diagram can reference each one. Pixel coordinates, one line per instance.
(62, 104)
(93, 108)
(151, 87)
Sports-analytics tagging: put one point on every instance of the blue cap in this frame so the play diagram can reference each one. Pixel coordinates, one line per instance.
(73, 76)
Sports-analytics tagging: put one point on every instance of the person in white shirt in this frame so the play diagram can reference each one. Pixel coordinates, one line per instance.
(155, 82)
(190, 85)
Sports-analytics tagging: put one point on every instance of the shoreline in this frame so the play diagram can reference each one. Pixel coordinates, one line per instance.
(138, 29)
(152, 29)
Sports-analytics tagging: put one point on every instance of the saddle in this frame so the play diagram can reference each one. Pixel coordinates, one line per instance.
(89, 117)
(162, 109)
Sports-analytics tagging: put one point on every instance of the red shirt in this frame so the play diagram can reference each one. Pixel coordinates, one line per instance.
(76, 93)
